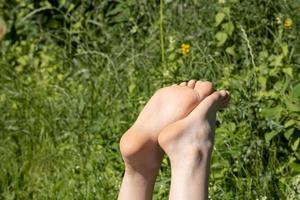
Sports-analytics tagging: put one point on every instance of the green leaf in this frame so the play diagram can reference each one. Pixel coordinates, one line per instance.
(132, 88)
(295, 93)
(274, 113)
(296, 144)
(231, 50)
(76, 25)
(297, 154)
(226, 10)
(221, 37)
(134, 29)
(23, 60)
(276, 60)
(295, 167)
(228, 27)
(287, 134)
(270, 135)
(292, 106)
(220, 174)
(288, 71)
(285, 49)
(121, 13)
(262, 80)
(227, 129)
(172, 56)
(71, 7)
(219, 18)
(289, 123)
(263, 55)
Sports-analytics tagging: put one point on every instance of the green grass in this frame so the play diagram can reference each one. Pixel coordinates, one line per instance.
(73, 77)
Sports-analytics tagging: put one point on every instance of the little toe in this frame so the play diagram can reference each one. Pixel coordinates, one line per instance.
(203, 89)
(191, 83)
(183, 83)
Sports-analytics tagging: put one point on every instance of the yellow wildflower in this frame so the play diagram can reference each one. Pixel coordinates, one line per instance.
(185, 49)
(288, 23)
(2, 29)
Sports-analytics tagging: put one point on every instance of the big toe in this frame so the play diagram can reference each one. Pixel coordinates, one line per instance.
(204, 89)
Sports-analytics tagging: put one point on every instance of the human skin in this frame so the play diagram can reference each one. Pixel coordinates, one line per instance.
(139, 146)
(188, 144)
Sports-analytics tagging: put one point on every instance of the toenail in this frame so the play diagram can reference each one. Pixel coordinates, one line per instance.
(224, 94)
(227, 94)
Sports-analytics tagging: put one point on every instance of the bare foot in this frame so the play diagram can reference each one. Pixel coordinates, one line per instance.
(188, 143)
(139, 145)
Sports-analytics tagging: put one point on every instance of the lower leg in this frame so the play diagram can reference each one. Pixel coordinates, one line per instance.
(190, 177)
(142, 158)
(139, 145)
(137, 186)
(189, 143)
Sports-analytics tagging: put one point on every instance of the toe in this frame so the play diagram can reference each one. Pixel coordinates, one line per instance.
(183, 83)
(214, 102)
(204, 89)
(226, 100)
(191, 84)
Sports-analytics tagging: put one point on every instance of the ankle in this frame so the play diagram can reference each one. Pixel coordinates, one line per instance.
(192, 157)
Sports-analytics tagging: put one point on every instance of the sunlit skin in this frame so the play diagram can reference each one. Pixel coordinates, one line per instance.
(139, 145)
(188, 143)
(179, 120)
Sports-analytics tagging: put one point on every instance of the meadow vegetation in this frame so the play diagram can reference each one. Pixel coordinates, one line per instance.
(75, 74)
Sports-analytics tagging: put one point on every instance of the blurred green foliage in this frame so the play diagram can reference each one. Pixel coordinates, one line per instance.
(74, 75)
